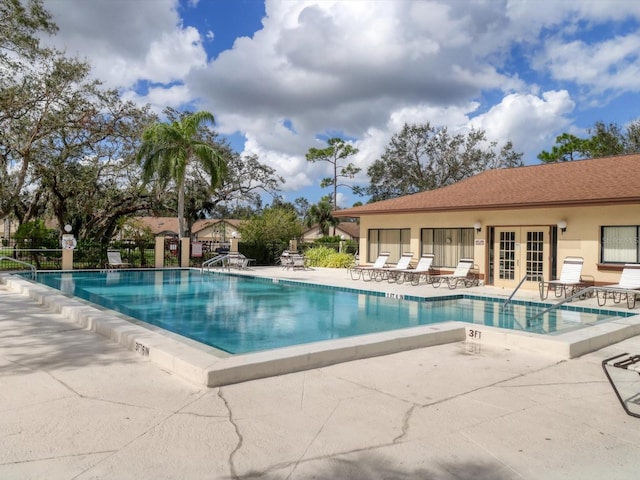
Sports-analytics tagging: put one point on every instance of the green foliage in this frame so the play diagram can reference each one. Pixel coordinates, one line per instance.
(569, 147)
(422, 157)
(605, 140)
(339, 260)
(263, 253)
(335, 153)
(20, 25)
(321, 214)
(326, 257)
(36, 235)
(329, 239)
(168, 149)
(274, 224)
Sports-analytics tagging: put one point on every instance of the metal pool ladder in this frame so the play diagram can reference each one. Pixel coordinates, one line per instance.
(217, 259)
(33, 269)
(514, 292)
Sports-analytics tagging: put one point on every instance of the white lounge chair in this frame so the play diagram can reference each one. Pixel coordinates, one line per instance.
(396, 272)
(569, 282)
(399, 272)
(628, 287)
(461, 275)
(297, 261)
(423, 269)
(360, 271)
(114, 260)
(238, 260)
(286, 258)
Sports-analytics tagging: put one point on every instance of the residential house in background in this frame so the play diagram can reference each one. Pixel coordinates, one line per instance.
(210, 233)
(350, 231)
(517, 223)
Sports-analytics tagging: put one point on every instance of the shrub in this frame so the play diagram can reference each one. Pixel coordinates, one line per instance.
(327, 257)
(339, 260)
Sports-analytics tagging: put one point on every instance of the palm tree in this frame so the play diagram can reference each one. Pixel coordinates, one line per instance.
(320, 213)
(168, 148)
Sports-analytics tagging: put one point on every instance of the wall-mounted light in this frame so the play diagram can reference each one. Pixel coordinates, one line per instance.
(234, 234)
(562, 225)
(478, 227)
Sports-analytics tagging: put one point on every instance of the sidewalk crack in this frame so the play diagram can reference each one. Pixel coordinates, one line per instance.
(238, 446)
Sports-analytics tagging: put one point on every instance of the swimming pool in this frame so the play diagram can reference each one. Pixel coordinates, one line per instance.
(239, 314)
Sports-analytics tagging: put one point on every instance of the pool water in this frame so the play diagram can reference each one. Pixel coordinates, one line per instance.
(241, 314)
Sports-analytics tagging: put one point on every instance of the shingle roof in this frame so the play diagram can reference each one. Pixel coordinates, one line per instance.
(599, 181)
(169, 225)
(160, 225)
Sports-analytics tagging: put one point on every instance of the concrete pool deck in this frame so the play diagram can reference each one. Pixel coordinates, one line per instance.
(76, 405)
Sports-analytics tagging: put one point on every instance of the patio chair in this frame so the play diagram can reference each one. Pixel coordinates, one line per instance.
(621, 372)
(238, 260)
(569, 282)
(359, 271)
(114, 260)
(297, 261)
(423, 269)
(628, 287)
(461, 275)
(286, 259)
(396, 272)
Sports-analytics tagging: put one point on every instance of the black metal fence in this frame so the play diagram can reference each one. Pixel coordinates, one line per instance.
(139, 254)
(85, 255)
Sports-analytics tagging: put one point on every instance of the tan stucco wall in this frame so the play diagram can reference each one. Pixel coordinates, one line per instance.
(582, 237)
(214, 233)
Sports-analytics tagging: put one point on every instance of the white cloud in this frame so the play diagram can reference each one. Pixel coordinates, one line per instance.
(160, 97)
(363, 68)
(128, 41)
(609, 65)
(529, 121)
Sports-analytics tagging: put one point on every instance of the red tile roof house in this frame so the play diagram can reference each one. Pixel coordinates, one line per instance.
(517, 221)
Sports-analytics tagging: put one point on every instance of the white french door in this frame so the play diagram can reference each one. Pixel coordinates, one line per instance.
(520, 251)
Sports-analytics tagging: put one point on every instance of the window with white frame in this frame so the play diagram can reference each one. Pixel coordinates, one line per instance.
(620, 244)
(396, 241)
(448, 245)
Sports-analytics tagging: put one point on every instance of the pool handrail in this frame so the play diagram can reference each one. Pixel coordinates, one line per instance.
(33, 269)
(579, 293)
(514, 291)
(218, 258)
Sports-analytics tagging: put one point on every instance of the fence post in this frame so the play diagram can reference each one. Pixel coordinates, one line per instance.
(67, 259)
(159, 252)
(185, 251)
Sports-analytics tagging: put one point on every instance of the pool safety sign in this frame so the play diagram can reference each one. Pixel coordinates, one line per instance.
(68, 241)
(196, 249)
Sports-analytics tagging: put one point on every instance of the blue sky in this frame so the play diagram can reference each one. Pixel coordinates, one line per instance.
(281, 76)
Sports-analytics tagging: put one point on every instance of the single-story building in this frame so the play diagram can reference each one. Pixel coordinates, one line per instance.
(348, 230)
(215, 231)
(206, 230)
(517, 222)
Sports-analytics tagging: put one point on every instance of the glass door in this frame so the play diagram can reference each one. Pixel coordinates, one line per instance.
(520, 252)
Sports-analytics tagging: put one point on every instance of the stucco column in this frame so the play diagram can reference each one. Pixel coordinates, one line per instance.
(159, 252)
(185, 251)
(234, 245)
(67, 259)
(293, 245)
